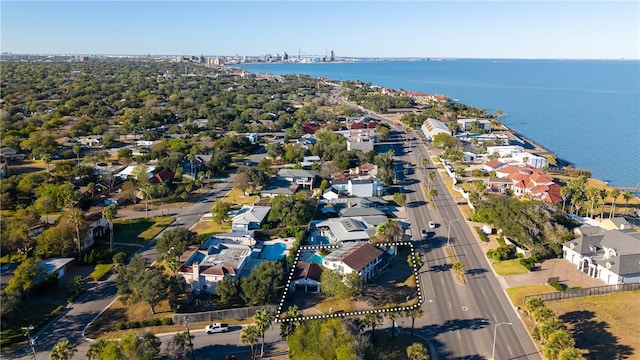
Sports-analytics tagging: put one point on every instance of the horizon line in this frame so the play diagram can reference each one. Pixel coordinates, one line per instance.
(9, 53)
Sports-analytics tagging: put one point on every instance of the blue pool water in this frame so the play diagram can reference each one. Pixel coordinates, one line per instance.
(323, 240)
(273, 252)
(315, 258)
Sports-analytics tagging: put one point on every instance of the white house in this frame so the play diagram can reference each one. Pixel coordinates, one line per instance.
(305, 178)
(361, 139)
(360, 187)
(212, 262)
(467, 124)
(432, 127)
(249, 218)
(363, 258)
(612, 256)
(308, 161)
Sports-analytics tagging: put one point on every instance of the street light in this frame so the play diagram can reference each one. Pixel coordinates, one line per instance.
(495, 330)
(449, 230)
(32, 341)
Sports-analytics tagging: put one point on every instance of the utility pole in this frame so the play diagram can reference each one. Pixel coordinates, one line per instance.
(32, 341)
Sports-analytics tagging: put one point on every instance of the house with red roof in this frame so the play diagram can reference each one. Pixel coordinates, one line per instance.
(163, 176)
(534, 182)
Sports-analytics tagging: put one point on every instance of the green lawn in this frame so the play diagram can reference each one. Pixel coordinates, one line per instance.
(139, 231)
(101, 271)
(517, 294)
(509, 267)
(211, 227)
(32, 314)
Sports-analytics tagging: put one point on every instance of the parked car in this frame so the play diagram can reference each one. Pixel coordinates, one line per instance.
(432, 225)
(216, 328)
(424, 234)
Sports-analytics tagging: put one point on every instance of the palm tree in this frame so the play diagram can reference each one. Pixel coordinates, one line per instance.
(458, 267)
(415, 260)
(147, 191)
(161, 191)
(603, 196)
(288, 327)
(373, 320)
(77, 150)
(627, 195)
(63, 350)
(201, 177)
(565, 192)
(425, 162)
(393, 315)
(250, 335)
(46, 158)
(191, 157)
(432, 195)
(76, 219)
(262, 319)
(91, 188)
(414, 313)
(615, 194)
(109, 213)
(432, 176)
(417, 351)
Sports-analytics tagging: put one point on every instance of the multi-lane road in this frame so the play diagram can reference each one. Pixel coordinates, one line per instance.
(459, 317)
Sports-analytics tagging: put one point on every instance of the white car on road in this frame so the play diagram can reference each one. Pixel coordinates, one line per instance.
(216, 328)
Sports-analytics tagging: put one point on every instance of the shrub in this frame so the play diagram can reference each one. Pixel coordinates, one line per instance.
(556, 285)
(153, 322)
(481, 234)
(529, 263)
(120, 326)
(167, 321)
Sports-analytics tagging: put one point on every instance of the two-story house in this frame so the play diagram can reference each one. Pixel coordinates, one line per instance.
(363, 258)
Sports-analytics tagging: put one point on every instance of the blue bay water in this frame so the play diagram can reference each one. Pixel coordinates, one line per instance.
(586, 111)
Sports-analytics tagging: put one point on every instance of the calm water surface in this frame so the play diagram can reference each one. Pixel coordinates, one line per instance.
(586, 111)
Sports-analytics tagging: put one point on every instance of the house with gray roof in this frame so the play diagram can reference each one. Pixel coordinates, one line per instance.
(612, 256)
(212, 262)
(276, 186)
(304, 178)
(249, 218)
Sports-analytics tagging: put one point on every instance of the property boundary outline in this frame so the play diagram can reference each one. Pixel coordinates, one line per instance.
(352, 313)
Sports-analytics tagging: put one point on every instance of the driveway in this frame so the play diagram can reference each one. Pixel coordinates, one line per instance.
(564, 270)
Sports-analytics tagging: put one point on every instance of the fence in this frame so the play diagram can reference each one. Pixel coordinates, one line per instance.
(576, 293)
(228, 314)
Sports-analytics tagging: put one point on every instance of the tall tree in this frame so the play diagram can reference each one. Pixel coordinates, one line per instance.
(241, 182)
(76, 219)
(373, 320)
(264, 283)
(77, 150)
(614, 193)
(263, 320)
(178, 347)
(413, 313)
(250, 335)
(288, 326)
(627, 195)
(109, 213)
(148, 192)
(393, 315)
(219, 211)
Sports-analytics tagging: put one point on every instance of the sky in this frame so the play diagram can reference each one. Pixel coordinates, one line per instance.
(448, 29)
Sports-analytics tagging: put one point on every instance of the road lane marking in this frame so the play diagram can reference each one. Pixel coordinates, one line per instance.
(450, 307)
(508, 347)
(483, 292)
(458, 332)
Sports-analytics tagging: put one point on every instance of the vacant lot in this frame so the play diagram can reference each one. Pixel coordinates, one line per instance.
(517, 294)
(606, 325)
(509, 267)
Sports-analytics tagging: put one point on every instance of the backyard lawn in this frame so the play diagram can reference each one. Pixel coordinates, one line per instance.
(210, 227)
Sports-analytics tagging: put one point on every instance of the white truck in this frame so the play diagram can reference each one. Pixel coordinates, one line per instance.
(216, 328)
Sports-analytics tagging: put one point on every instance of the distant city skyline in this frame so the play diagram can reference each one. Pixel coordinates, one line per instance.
(384, 29)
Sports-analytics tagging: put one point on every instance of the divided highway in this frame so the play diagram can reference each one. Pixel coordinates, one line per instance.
(458, 318)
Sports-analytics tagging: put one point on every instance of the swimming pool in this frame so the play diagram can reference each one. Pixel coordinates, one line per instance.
(315, 258)
(273, 252)
(321, 240)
